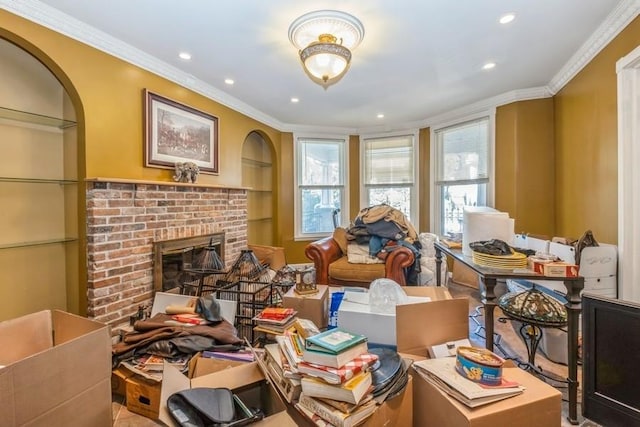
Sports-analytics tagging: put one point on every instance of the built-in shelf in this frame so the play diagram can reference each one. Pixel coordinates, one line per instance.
(36, 243)
(164, 183)
(257, 163)
(38, 180)
(36, 119)
(260, 219)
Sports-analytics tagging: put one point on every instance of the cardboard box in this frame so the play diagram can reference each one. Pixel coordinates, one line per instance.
(143, 396)
(355, 315)
(57, 366)
(119, 381)
(313, 307)
(560, 269)
(538, 405)
(246, 380)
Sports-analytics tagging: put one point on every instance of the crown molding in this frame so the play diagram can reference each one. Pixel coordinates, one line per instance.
(617, 20)
(57, 21)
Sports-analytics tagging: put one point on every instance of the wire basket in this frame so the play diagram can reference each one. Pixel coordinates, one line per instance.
(251, 299)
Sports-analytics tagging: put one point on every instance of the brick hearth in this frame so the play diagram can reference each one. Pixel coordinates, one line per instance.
(124, 219)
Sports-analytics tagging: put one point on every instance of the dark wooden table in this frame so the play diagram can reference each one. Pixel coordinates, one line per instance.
(489, 277)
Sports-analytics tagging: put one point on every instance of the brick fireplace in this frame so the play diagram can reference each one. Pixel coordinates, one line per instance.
(126, 218)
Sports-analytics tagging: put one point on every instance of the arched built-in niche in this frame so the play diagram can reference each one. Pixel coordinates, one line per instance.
(258, 176)
(39, 234)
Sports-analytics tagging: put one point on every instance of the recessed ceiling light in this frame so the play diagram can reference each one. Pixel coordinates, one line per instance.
(489, 65)
(506, 18)
(294, 100)
(229, 81)
(380, 116)
(185, 55)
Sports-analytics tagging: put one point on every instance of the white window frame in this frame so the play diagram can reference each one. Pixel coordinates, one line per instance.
(342, 140)
(414, 205)
(435, 223)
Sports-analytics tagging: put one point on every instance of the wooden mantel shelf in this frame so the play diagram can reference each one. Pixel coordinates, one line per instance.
(166, 183)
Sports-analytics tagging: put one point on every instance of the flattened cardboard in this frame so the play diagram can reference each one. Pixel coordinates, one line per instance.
(438, 321)
(52, 372)
(246, 379)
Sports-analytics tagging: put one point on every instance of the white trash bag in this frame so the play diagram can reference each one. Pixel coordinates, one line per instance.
(384, 295)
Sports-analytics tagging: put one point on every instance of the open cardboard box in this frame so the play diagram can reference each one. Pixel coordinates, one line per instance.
(246, 380)
(420, 326)
(56, 368)
(355, 315)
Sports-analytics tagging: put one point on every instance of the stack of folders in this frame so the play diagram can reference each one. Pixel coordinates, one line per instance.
(336, 383)
(441, 373)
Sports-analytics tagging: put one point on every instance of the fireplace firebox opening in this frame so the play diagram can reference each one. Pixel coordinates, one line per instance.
(172, 257)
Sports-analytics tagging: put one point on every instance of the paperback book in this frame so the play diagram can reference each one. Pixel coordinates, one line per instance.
(442, 373)
(351, 391)
(338, 375)
(334, 416)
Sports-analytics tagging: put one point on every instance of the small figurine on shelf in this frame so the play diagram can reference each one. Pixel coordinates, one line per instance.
(186, 172)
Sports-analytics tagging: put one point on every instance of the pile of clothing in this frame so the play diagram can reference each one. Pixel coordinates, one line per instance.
(384, 228)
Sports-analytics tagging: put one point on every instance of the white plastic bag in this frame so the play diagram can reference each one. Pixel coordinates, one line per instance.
(384, 295)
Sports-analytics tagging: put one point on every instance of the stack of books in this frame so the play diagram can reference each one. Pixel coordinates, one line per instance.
(336, 383)
(275, 320)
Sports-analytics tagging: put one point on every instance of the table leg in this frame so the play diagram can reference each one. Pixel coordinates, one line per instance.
(489, 302)
(438, 264)
(574, 306)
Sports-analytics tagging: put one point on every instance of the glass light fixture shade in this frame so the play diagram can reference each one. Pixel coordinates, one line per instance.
(325, 60)
(535, 307)
(324, 40)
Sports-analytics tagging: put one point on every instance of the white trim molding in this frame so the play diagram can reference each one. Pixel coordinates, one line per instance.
(628, 69)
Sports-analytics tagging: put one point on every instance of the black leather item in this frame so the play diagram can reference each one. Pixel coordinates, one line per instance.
(209, 308)
(209, 407)
(202, 407)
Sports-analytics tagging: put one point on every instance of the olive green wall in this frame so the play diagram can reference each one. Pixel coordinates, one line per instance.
(524, 165)
(586, 138)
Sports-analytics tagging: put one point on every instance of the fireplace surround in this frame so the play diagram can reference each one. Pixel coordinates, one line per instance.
(126, 218)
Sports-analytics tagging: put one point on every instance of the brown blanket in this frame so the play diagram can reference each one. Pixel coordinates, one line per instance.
(155, 328)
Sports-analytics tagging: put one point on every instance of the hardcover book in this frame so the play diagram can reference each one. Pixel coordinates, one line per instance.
(334, 360)
(351, 391)
(334, 341)
(338, 375)
(333, 415)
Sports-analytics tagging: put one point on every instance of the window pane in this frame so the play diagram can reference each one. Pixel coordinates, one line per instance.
(454, 198)
(318, 206)
(320, 163)
(389, 160)
(397, 197)
(463, 152)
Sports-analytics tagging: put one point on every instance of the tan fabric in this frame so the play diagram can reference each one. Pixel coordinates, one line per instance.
(273, 256)
(340, 236)
(375, 213)
(344, 270)
(359, 254)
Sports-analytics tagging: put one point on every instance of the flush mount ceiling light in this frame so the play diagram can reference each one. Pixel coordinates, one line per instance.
(324, 40)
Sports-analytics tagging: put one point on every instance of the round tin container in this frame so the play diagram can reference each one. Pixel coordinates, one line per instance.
(479, 365)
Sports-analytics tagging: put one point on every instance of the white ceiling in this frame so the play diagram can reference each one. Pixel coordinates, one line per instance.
(418, 60)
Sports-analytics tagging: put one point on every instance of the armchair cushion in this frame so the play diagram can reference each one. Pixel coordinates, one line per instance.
(340, 236)
(345, 271)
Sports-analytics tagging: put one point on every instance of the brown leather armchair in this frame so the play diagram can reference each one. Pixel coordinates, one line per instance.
(333, 268)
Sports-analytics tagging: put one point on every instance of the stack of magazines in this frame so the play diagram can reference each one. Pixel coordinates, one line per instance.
(441, 373)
